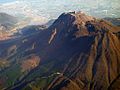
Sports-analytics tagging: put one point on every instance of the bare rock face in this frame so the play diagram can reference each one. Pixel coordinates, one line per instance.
(77, 52)
(115, 85)
(30, 63)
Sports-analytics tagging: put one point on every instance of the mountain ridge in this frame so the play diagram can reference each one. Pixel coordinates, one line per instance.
(74, 53)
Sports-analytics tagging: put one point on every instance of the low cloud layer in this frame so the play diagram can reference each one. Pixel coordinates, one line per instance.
(45, 10)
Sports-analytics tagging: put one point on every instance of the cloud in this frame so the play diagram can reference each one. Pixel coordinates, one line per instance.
(45, 10)
(24, 9)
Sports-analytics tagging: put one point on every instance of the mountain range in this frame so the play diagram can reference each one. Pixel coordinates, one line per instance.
(7, 23)
(76, 52)
(115, 21)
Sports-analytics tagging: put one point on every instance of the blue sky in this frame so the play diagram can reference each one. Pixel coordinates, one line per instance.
(50, 9)
(5, 1)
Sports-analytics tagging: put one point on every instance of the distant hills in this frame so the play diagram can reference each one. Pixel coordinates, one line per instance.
(115, 21)
(7, 23)
(76, 52)
(7, 20)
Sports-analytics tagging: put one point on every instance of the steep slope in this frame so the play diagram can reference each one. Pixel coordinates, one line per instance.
(115, 84)
(100, 55)
(77, 52)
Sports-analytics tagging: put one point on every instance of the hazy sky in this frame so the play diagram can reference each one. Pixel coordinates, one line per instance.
(49, 9)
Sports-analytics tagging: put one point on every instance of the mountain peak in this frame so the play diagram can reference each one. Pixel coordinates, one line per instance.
(73, 52)
(81, 16)
(74, 24)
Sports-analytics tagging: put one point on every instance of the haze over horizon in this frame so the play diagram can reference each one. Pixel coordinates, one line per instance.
(45, 10)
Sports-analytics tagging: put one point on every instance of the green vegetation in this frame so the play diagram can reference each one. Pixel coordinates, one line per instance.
(3, 64)
(11, 74)
(40, 83)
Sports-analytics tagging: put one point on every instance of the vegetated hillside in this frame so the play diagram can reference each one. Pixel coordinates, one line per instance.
(77, 52)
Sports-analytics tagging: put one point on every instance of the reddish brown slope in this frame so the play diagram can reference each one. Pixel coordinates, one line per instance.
(82, 49)
(97, 67)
